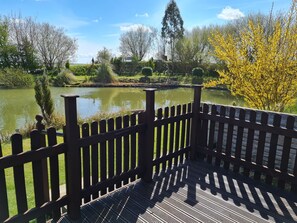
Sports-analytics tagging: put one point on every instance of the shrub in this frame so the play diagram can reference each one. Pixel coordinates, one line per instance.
(147, 71)
(198, 72)
(67, 64)
(84, 69)
(15, 78)
(105, 74)
(63, 78)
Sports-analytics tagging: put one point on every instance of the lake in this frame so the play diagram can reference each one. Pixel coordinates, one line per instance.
(18, 106)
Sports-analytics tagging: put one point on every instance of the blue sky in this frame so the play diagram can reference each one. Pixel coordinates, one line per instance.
(97, 23)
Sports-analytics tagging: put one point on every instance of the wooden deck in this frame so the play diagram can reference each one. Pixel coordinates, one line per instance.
(193, 192)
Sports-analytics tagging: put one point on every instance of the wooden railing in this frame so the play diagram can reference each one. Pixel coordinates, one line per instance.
(99, 157)
(264, 150)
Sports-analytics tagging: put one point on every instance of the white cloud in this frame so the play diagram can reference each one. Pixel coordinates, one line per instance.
(142, 15)
(128, 27)
(229, 13)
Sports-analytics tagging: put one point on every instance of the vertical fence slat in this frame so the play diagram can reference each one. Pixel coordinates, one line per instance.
(118, 151)
(286, 151)
(183, 132)
(220, 135)
(171, 135)
(95, 157)
(165, 138)
(4, 212)
(211, 142)
(19, 176)
(54, 172)
(273, 147)
(249, 144)
(110, 123)
(177, 134)
(294, 185)
(229, 137)
(126, 148)
(141, 145)
(204, 128)
(188, 129)
(261, 145)
(158, 139)
(239, 139)
(37, 173)
(86, 160)
(40, 127)
(133, 145)
(103, 157)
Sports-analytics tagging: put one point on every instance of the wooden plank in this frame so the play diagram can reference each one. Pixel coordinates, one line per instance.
(286, 151)
(204, 129)
(103, 156)
(141, 146)
(158, 139)
(94, 158)
(177, 134)
(229, 137)
(261, 145)
(119, 151)
(183, 132)
(165, 138)
(220, 135)
(272, 148)
(188, 128)
(4, 211)
(54, 172)
(37, 173)
(294, 185)
(19, 176)
(133, 145)
(171, 135)
(111, 154)
(126, 148)
(211, 143)
(239, 139)
(249, 145)
(86, 160)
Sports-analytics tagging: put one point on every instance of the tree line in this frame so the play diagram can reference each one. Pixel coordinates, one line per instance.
(30, 45)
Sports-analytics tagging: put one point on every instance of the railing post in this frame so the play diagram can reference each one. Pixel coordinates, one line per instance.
(196, 122)
(149, 134)
(72, 158)
(45, 184)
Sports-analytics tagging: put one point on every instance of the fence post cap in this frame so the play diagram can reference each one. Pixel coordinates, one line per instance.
(198, 86)
(39, 118)
(69, 95)
(150, 89)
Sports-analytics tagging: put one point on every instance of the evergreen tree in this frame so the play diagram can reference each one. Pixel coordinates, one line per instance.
(43, 98)
(172, 26)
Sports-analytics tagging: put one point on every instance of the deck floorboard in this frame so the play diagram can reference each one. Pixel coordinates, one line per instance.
(193, 192)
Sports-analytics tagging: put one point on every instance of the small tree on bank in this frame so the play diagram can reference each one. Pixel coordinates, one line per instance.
(43, 98)
(261, 66)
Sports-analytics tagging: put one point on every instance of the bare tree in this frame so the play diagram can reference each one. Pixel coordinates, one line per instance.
(53, 46)
(137, 43)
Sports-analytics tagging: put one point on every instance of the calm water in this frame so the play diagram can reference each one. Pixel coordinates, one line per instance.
(18, 106)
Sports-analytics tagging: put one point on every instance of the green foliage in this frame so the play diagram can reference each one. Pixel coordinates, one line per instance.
(105, 74)
(15, 78)
(117, 63)
(103, 56)
(198, 72)
(67, 65)
(43, 98)
(65, 77)
(151, 63)
(84, 69)
(147, 71)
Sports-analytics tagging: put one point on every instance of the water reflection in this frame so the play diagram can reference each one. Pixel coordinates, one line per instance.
(18, 106)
